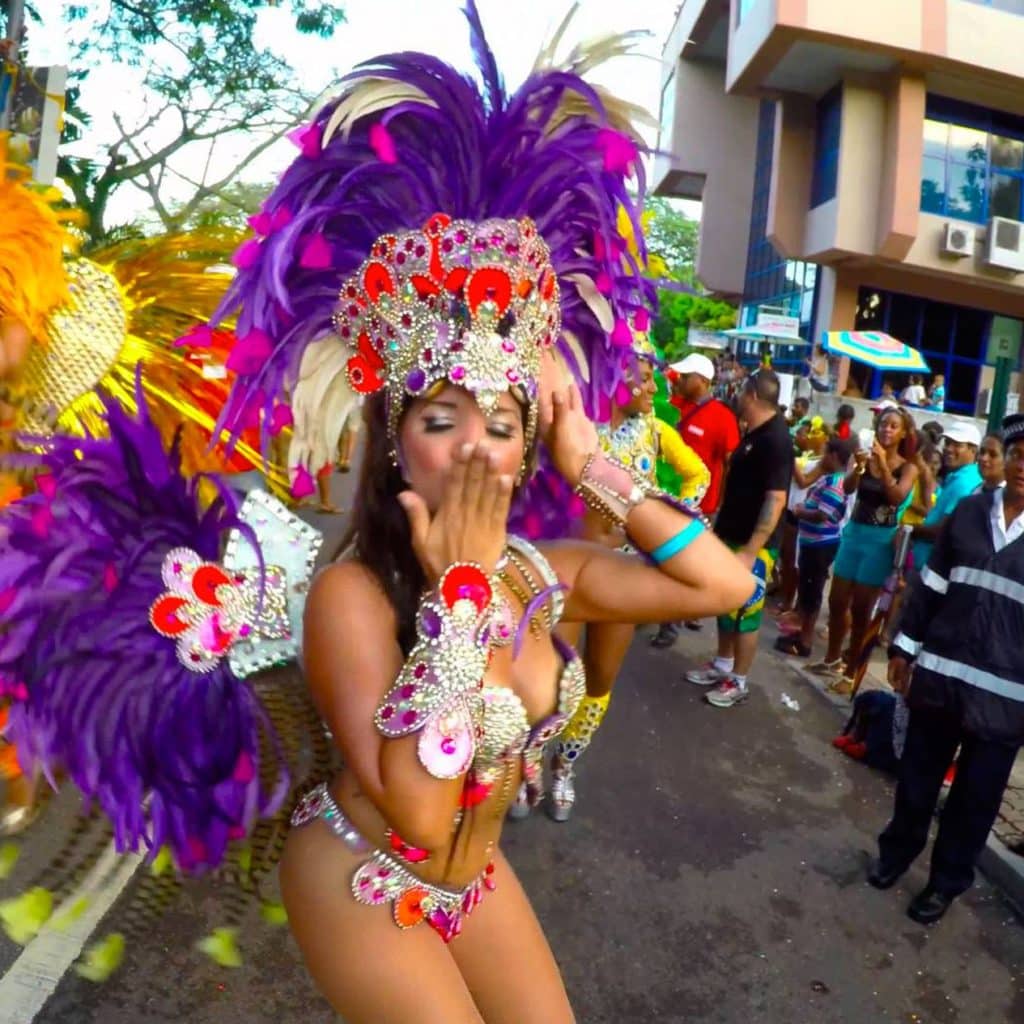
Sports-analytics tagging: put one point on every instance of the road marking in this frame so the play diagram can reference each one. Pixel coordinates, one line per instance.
(37, 972)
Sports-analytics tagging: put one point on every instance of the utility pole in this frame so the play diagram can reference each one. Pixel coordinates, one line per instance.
(15, 23)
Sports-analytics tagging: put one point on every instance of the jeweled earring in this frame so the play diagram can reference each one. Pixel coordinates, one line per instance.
(636, 392)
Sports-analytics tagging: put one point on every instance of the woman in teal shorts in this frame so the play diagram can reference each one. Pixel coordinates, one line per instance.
(882, 480)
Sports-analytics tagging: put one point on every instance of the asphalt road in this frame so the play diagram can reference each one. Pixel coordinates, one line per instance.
(713, 872)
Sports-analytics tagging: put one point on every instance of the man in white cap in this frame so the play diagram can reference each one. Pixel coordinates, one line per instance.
(709, 427)
(960, 460)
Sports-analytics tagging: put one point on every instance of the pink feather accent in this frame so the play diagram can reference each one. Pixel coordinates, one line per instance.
(246, 254)
(200, 336)
(46, 484)
(603, 282)
(622, 394)
(280, 418)
(621, 334)
(307, 138)
(302, 484)
(642, 320)
(316, 253)
(110, 578)
(244, 771)
(261, 223)
(41, 521)
(619, 151)
(250, 352)
(383, 144)
(280, 218)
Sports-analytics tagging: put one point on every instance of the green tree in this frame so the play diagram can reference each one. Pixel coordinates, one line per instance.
(678, 310)
(230, 207)
(673, 236)
(206, 84)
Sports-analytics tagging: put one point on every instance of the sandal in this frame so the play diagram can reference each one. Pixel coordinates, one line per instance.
(791, 645)
(841, 687)
(825, 668)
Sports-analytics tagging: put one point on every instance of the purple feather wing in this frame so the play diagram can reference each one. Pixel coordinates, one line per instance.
(170, 756)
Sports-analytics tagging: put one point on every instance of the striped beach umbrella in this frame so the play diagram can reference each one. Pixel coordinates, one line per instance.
(875, 348)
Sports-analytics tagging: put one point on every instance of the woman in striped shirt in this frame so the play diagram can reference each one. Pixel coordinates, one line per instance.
(819, 520)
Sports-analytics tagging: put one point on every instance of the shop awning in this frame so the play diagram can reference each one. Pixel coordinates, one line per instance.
(771, 335)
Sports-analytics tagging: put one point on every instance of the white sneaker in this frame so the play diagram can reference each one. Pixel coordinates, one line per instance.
(519, 809)
(708, 675)
(562, 795)
(727, 693)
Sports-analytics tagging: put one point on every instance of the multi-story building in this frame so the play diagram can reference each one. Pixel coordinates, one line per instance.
(861, 166)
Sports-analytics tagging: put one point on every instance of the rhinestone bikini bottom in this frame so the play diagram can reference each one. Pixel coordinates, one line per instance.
(383, 878)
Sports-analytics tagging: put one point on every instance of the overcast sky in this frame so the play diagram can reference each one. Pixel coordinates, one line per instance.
(516, 30)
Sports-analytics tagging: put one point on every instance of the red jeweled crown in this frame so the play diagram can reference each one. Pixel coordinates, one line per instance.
(469, 303)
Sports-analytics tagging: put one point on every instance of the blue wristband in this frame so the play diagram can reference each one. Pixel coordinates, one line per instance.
(679, 542)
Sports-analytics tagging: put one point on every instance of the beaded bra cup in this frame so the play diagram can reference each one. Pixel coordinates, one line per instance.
(506, 731)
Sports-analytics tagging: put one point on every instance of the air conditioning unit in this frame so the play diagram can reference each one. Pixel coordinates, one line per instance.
(957, 239)
(1004, 246)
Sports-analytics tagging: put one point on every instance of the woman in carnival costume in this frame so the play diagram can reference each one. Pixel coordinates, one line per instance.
(472, 235)
(636, 438)
(431, 248)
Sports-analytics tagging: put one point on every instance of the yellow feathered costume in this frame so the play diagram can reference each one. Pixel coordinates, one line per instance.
(93, 320)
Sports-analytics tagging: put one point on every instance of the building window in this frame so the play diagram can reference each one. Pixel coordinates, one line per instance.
(668, 112)
(826, 147)
(973, 165)
(743, 8)
(953, 340)
(771, 280)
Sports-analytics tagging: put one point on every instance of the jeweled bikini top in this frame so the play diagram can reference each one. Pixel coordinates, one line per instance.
(506, 729)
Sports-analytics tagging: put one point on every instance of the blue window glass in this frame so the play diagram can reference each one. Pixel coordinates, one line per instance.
(953, 340)
(973, 165)
(826, 147)
(666, 120)
(1013, 6)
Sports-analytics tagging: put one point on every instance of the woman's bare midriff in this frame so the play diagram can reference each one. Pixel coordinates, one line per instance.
(475, 840)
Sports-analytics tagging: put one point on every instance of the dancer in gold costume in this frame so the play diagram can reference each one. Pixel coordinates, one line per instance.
(636, 438)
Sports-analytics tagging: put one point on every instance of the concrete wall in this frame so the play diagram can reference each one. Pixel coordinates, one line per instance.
(826, 406)
(714, 141)
(861, 159)
(792, 168)
(898, 213)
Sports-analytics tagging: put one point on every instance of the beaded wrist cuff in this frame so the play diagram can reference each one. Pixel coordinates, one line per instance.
(437, 691)
(609, 489)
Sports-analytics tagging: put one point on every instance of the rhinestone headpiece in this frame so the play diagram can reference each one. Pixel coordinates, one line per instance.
(469, 303)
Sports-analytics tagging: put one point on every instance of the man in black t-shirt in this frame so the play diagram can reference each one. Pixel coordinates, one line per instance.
(748, 521)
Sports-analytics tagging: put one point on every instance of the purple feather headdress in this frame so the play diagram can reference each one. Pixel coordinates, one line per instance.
(171, 756)
(409, 137)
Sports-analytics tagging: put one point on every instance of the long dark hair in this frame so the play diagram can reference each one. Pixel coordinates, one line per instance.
(908, 443)
(378, 533)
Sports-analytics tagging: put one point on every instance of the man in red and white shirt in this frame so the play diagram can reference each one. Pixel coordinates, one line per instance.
(709, 427)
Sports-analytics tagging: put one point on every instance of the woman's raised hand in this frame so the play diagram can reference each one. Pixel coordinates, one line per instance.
(470, 523)
(570, 436)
